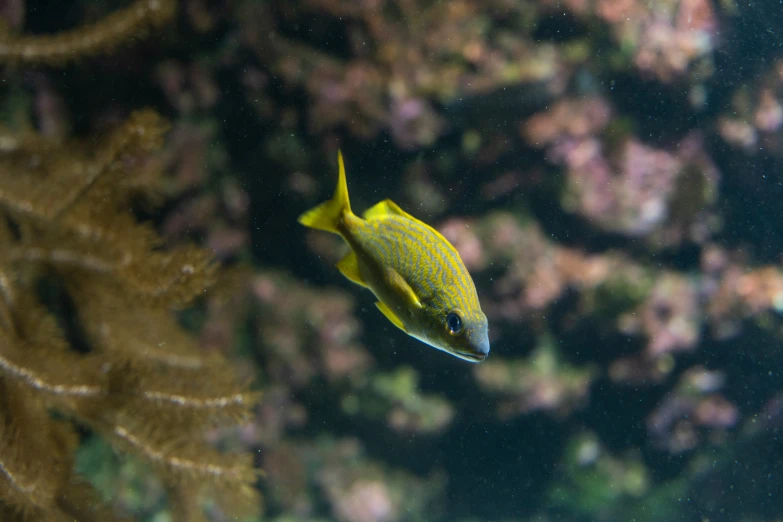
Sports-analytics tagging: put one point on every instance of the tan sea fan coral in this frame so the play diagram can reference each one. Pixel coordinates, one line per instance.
(101, 37)
(87, 336)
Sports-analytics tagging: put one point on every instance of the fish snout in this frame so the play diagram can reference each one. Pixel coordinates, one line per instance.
(483, 347)
(478, 348)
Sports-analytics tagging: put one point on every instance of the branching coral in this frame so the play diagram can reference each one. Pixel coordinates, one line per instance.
(86, 295)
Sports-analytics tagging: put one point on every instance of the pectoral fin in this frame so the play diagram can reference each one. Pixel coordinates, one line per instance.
(349, 266)
(402, 288)
(391, 316)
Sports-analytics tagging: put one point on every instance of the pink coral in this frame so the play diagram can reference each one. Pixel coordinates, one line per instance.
(637, 190)
(572, 118)
(330, 346)
(462, 234)
(670, 317)
(694, 406)
(755, 121)
(541, 382)
(405, 59)
(366, 502)
(666, 36)
(635, 201)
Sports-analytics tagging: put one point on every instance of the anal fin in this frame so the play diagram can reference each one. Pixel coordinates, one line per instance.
(349, 266)
(391, 316)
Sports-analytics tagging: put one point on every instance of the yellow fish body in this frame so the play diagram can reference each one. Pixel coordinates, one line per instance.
(420, 281)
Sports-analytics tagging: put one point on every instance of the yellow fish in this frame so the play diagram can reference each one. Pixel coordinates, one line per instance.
(419, 279)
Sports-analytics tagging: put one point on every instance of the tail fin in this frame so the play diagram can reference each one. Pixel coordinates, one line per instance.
(328, 215)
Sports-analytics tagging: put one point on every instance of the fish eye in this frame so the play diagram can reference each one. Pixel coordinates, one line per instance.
(454, 322)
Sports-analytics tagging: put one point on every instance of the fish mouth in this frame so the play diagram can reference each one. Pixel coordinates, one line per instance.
(472, 357)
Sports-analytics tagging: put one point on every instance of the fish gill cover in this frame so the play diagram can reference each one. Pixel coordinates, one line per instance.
(607, 170)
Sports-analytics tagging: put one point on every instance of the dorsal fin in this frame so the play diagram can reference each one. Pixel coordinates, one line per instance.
(383, 208)
(388, 207)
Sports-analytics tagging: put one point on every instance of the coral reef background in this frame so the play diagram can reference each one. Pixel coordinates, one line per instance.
(608, 169)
